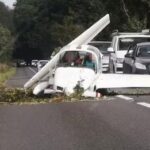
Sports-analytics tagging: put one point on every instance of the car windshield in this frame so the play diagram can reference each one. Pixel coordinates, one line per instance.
(102, 46)
(77, 59)
(43, 62)
(124, 43)
(144, 51)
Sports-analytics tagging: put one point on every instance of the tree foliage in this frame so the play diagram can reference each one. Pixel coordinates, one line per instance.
(5, 44)
(42, 25)
(6, 17)
(6, 30)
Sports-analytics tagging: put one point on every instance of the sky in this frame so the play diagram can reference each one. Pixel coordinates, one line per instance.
(9, 3)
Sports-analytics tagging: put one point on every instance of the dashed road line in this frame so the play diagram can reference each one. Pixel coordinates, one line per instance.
(144, 104)
(32, 70)
(125, 98)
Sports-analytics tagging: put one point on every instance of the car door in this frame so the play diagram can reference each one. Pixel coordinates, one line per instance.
(129, 60)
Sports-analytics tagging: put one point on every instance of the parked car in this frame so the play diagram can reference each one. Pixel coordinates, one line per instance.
(137, 59)
(34, 63)
(20, 63)
(41, 64)
(120, 45)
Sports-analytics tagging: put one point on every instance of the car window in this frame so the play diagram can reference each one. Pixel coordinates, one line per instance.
(124, 43)
(143, 51)
(131, 50)
(101, 45)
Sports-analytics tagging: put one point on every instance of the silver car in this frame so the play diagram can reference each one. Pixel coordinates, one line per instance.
(137, 59)
(41, 64)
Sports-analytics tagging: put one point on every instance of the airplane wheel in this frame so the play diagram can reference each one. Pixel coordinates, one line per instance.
(102, 91)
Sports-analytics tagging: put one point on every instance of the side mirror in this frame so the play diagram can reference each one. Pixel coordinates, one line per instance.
(110, 49)
(129, 55)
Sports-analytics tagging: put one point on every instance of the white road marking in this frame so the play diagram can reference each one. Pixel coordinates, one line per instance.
(125, 97)
(32, 70)
(108, 98)
(144, 104)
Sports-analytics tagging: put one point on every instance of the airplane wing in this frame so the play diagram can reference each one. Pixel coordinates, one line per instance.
(84, 38)
(121, 81)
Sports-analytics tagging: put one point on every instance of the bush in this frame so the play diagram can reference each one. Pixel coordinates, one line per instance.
(3, 68)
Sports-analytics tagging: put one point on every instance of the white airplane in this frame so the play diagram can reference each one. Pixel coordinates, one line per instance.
(80, 64)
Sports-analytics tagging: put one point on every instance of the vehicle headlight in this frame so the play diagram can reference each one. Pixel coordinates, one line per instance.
(140, 66)
(120, 60)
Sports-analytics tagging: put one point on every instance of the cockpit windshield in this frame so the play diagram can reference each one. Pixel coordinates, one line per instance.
(78, 59)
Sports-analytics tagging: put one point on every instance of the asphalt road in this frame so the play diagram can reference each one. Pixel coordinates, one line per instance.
(111, 124)
(23, 74)
(114, 123)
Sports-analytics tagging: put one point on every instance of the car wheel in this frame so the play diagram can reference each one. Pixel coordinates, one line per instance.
(126, 68)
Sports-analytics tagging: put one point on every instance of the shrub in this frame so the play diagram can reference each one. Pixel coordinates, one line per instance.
(3, 68)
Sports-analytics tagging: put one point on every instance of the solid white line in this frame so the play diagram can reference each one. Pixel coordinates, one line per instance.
(32, 70)
(144, 104)
(125, 97)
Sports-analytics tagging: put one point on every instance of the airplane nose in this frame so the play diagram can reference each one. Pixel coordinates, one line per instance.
(86, 77)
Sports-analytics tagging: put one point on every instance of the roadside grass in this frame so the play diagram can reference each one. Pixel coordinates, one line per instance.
(18, 96)
(5, 73)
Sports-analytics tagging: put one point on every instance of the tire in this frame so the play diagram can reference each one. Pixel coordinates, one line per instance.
(127, 69)
(102, 91)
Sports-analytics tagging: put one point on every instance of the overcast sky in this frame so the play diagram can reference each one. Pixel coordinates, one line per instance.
(8, 2)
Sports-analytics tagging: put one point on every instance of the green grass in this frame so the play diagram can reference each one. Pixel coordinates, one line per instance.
(5, 73)
(14, 95)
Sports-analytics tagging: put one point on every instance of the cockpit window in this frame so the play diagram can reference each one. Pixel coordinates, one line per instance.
(78, 59)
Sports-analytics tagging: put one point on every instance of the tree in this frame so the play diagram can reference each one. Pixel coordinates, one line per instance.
(42, 25)
(5, 44)
(135, 21)
(6, 17)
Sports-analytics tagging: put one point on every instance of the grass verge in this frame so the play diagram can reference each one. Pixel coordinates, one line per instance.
(14, 95)
(5, 73)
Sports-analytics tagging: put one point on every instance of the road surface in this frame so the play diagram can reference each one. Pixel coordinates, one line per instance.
(23, 74)
(111, 124)
(120, 122)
